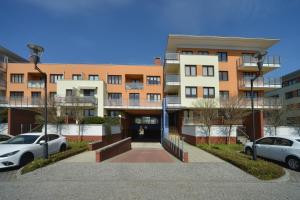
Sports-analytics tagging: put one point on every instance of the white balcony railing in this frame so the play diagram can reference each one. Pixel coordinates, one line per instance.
(173, 100)
(250, 61)
(36, 84)
(172, 56)
(172, 78)
(134, 86)
(132, 103)
(261, 82)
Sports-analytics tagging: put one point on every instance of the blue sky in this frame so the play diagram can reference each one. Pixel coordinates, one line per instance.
(135, 31)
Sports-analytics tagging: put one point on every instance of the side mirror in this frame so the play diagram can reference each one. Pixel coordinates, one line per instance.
(42, 142)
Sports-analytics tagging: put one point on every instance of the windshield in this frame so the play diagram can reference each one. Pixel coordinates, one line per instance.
(22, 139)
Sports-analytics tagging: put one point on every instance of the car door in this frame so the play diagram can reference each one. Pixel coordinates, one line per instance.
(281, 149)
(263, 146)
(39, 148)
(55, 144)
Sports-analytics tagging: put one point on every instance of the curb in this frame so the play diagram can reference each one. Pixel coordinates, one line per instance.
(19, 174)
(284, 178)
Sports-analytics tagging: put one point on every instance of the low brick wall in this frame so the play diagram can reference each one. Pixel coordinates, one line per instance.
(204, 140)
(104, 141)
(175, 151)
(113, 149)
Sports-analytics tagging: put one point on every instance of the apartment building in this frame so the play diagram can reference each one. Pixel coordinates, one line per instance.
(290, 94)
(207, 67)
(133, 92)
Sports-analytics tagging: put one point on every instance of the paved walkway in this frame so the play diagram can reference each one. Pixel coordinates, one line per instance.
(85, 157)
(197, 155)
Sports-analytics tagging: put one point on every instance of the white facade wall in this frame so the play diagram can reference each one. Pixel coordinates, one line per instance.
(3, 128)
(202, 131)
(282, 131)
(63, 85)
(85, 130)
(198, 81)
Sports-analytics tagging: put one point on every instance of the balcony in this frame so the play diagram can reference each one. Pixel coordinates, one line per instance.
(76, 101)
(134, 86)
(132, 104)
(172, 58)
(36, 84)
(260, 83)
(249, 63)
(2, 84)
(172, 79)
(173, 101)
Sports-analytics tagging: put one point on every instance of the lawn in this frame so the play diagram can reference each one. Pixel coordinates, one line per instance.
(73, 149)
(232, 153)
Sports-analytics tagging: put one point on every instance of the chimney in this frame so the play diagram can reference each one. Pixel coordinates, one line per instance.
(157, 61)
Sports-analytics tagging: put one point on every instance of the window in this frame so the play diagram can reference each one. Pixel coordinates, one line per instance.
(190, 70)
(207, 70)
(283, 142)
(114, 79)
(52, 95)
(187, 52)
(16, 78)
(223, 75)
(16, 94)
(266, 141)
(203, 52)
(289, 95)
(191, 92)
(76, 77)
(88, 112)
(88, 92)
(93, 77)
(153, 80)
(146, 120)
(52, 137)
(224, 94)
(114, 96)
(247, 94)
(56, 77)
(134, 99)
(36, 94)
(153, 97)
(208, 92)
(69, 92)
(222, 56)
(4, 138)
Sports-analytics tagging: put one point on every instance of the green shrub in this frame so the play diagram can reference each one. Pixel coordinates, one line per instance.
(93, 120)
(73, 149)
(260, 168)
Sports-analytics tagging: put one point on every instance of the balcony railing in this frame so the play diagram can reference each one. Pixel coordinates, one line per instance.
(74, 100)
(172, 56)
(132, 103)
(261, 82)
(261, 102)
(173, 100)
(36, 84)
(134, 86)
(172, 78)
(269, 61)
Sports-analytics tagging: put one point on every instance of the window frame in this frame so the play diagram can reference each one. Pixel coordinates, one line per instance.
(114, 79)
(209, 96)
(205, 70)
(16, 78)
(153, 97)
(153, 80)
(56, 77)
(191, 95)
(221, 76)
(221, 57)
(93, 75)
(189, 67)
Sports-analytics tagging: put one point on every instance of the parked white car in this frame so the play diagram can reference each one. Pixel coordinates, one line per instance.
(4, 137)
(24, 148)
(280, 148)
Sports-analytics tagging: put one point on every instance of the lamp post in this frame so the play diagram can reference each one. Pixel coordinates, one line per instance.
(260, 61)
(35, 54)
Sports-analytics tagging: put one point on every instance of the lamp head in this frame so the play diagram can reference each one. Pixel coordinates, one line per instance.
(35, 52)
(260, 56)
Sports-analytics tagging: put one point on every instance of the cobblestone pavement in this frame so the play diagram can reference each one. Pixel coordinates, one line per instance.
(145, 181)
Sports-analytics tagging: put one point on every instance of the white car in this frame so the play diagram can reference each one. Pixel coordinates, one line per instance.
(24, 148)
(4, 137)
(280, 148)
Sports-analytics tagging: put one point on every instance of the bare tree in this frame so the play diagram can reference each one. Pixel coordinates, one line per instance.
(232, 112)
(295, 122)
(275, 116)
(208, 113)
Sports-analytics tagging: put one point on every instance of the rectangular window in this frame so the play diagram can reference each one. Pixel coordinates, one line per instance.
(114, 79)
(93, 77)
(153, 80)
(114, 96)
(191, 92)
(247, 94)
(223, 75)
(153, 97)
(69, 92)
(56, 77)
(208, 92)
(76, 77)
(88, 92)
(89, 112)
(52, 95)
(208, 70)
(16, 78)
(224, 94)
(190, 70)
(36, 94)
(16, 94)
(222, 56)
(203, 53)
(187, 52)
(134, 99)
(289, 95)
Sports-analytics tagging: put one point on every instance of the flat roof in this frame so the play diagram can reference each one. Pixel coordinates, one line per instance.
(292, 75)
(12, 57)
(219, 42)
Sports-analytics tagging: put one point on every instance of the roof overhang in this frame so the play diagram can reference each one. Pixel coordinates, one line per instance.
(12, 57)
(216, 42)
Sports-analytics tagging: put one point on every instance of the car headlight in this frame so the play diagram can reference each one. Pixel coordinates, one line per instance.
(9, 154)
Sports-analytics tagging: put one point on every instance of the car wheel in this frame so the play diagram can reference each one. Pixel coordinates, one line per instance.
(248, 151)
(25, 159)
(293, 163)
(63, 147)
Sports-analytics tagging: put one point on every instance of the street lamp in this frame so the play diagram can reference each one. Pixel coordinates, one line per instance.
(35, 54)
(260, 61)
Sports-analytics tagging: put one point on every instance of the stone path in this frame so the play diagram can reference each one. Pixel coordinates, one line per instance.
(85, 157)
